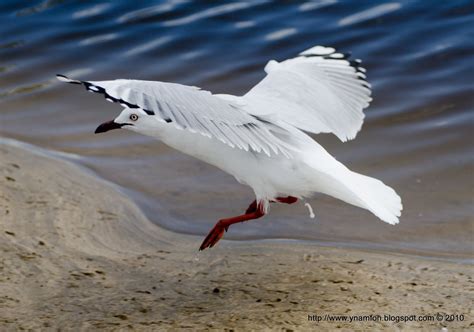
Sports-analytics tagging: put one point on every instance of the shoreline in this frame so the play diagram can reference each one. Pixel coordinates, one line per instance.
(375, 247)
(78, 253)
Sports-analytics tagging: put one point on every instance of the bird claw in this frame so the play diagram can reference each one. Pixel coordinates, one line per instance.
(216, 233)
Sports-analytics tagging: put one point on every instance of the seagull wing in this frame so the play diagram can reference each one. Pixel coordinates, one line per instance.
(319, 91)
(195, 110)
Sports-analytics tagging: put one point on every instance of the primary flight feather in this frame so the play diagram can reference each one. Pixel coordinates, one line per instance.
(260, 138)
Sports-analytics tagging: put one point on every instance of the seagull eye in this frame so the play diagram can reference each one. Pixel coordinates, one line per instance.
(133, 117)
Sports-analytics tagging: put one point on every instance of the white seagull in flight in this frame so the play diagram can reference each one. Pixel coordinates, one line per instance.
(259, 137)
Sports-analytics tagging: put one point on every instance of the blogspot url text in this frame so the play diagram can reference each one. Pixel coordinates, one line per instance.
(437, 317)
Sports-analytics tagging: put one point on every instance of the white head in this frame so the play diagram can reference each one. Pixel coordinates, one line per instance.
(134, 119)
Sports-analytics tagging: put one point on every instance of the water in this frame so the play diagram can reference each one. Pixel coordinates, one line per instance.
(417, 136)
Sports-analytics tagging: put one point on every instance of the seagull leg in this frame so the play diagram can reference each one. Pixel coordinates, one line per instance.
(287, 200)
(252, 207)
(254, 211)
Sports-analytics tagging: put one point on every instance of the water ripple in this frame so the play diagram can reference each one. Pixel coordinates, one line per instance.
(92, 11)
(368, 14)
(148, 46)
(45, 5)
(208, 13)
(244, 24)
(280, 34)
(144, 13)
(98, 39)
(312, 5)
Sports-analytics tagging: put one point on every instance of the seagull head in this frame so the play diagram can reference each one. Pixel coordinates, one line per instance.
(130, 118)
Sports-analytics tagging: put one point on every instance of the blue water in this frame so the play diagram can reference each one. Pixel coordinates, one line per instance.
(417, 137)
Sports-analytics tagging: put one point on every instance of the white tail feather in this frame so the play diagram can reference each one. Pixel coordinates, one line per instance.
(330, 177)
(362, 191)
(378, 198)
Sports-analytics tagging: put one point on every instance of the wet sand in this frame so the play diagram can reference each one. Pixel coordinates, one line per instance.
(78, 254)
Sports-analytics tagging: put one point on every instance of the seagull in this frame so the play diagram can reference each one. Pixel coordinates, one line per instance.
(262, 138)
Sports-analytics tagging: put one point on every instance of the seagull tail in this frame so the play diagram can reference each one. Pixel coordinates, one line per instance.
(377, 197)
(333, 178)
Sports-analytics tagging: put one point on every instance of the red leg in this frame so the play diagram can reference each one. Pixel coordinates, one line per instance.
(287, 200)
(252, 207)
(223, 225)
(254, 211)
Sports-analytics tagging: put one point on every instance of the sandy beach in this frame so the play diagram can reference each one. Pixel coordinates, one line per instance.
(77, 254)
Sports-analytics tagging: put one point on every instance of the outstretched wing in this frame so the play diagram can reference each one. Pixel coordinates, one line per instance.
(189, 108)
(320, 91)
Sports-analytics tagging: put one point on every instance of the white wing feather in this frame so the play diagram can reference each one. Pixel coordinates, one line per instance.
(196, 110)
(320, 91)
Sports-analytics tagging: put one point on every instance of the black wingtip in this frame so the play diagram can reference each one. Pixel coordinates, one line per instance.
(66, 79)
